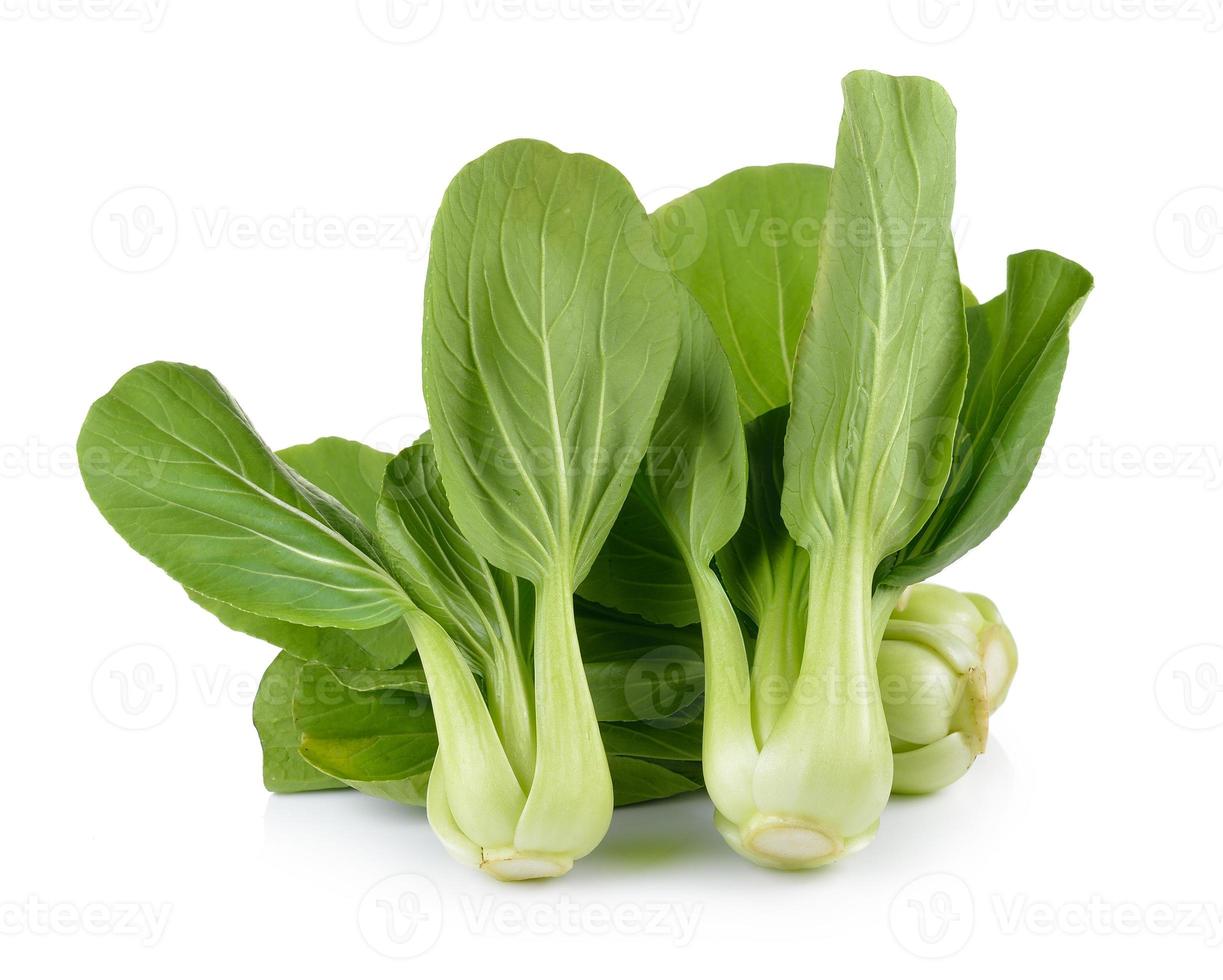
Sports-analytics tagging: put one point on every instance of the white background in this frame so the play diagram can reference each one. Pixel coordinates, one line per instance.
(1088, 836)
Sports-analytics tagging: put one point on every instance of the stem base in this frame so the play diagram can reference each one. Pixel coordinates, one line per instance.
(788, 843)
(506, 864)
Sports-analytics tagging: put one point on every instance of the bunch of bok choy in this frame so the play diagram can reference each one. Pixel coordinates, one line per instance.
(686, 475)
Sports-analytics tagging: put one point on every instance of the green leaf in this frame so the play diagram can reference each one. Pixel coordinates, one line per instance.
(408, 677)
(352, 473)
(284, 770)
(696, 475)
(376, 648)
(371, 731)
(549, 338)
(173, 464)
(640, 780)
(486, 612)
(636, 670)
(747, 246)
(696, 466)
(640, 570)
(1018, 344)
(478, 605)
(767, 575)
(762, 565)
(687, 500)
(349, 471)
(678, 738)
(880, 369)
(382, 741)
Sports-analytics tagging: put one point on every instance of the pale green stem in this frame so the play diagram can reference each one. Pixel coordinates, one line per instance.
(511, 704)
(729, 749)
(829, 759)
(461, 847)
(569, 807)
(883, 604)
(483, 793)
(779, 652)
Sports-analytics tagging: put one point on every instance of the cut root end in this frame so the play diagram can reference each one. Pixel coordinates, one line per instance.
(788, 844)
(514, 866)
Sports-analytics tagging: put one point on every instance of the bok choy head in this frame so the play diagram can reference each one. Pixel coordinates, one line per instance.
(878, 380)
(890, 466)
(945, 665)
(799, 776)
(550, 334)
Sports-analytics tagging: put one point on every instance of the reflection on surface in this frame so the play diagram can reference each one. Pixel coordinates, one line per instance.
(647, 842)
